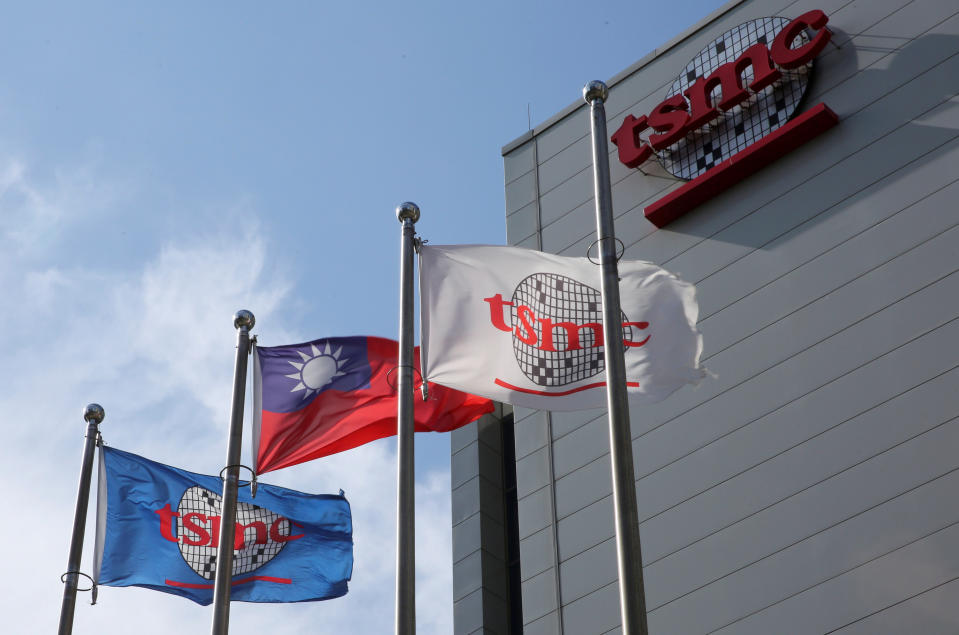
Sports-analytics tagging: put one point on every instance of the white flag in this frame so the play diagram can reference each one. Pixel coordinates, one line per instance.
(526, 327)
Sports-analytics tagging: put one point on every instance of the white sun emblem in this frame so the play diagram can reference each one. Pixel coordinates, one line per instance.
(317, 370)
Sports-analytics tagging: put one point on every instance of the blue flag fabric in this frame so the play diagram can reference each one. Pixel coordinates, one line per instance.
(158, 527)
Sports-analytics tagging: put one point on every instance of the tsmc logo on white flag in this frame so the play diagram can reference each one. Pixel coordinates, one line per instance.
(525, 327)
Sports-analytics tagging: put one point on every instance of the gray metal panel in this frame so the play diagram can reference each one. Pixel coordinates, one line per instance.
(801, 275)
(580, 488)
(467, 538)
(521, 224)
(518, 162)
(480, 613)
(822, 415)
(800, 374)
(581, 446)
(539, 595)
(530, 434)
(464, 465)
(596, 613)
(521, 192)
(840, 499)
(580, 223)
(462, 437)
(914, 19)
(535, 512)
(466, 500)
(588, 571)
(585, 528)
(710, 512)
(545, 625)
(468, 613)
(570, 194)
(872, 535)
(562, 134)
(521, 414)
(476, 459)
(932, 612)
(529, 243)
(566, 164)
(537, 553)
(477, 494)
(566, 422)
(469, 576)
(532, 472)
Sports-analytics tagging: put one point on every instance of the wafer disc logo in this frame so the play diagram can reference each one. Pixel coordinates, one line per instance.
(731, 111)
(742, 87)
(557, 328)
(749, 121)
(259, 537)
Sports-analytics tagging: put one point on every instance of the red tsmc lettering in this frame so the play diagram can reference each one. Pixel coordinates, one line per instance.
(527, 332)
(676, 117)
(200, 530)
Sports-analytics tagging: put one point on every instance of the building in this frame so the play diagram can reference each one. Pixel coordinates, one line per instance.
(810, 485)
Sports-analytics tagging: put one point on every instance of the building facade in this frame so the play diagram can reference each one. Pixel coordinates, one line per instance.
(809, 485)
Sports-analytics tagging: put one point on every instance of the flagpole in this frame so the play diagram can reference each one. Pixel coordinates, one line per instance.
(405, 610)
(632, 599)
(93, 414)
(243, 321)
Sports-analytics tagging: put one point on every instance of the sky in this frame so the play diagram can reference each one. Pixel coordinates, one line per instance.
(163, 165)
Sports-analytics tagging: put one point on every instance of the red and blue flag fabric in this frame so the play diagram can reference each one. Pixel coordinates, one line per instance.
(317, 398)
(158, 527)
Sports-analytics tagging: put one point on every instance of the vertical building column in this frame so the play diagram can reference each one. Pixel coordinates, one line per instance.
(485, 548)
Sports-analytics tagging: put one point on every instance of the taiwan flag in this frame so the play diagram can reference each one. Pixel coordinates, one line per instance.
(322, 397)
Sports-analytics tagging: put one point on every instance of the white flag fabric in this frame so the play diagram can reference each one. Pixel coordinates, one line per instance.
(526, 327)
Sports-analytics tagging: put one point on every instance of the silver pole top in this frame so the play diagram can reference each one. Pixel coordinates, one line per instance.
(407, 211)
(93, 413)
(243, 319)
(595, 90)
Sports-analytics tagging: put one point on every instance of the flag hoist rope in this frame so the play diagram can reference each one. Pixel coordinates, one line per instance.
(632, 597)
(405, 609)
(243, 321)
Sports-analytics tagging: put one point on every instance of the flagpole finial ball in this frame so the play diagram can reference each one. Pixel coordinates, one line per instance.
(93, 413)
(243, 319)
(595, 90)
(407, 211)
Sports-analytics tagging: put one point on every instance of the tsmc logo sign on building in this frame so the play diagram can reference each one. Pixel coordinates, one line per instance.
(731, 110)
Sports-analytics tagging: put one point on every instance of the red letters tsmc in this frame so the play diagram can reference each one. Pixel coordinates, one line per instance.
(527, 332)
(679, 115)
(202, 530)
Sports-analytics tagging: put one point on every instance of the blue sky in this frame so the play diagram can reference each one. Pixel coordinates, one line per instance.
(164, 164)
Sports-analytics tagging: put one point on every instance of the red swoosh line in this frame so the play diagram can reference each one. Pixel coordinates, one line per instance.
(253, 578)
(599, 384)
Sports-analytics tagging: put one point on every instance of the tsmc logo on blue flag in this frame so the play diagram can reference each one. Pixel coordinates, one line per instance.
(159, 528)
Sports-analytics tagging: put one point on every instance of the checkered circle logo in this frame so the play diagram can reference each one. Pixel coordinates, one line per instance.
(198, 505)
(748, 122)
(558, 322)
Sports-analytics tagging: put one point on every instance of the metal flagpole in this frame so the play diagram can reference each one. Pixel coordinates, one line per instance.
(93, 414)
(243, 321)
(407, 214)
(632, 597)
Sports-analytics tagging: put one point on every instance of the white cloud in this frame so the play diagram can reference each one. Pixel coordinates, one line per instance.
(37, 211)
(154, 343)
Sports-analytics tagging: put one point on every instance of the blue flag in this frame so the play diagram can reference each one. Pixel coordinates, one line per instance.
(158, 527)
